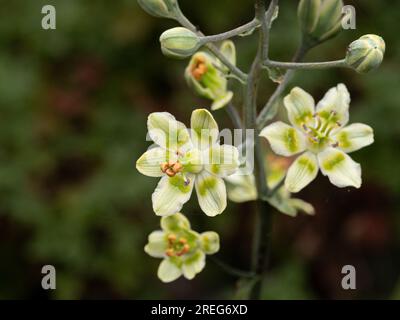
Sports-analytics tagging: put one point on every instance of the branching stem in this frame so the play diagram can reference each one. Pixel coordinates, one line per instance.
(181, 18)
(233, 33)
(306, 65)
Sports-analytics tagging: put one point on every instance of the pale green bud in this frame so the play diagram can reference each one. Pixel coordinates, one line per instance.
(320, 20)
(366, 53)
(179, 43)
(160, 8)
(308, 14)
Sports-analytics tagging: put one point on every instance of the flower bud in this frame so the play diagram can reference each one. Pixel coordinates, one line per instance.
(204, 74)
(366, 53)
(320, 20)
(179, 43)
(308, 14)
(159, 8)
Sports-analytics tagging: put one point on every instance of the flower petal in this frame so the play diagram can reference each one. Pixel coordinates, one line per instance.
(172, 193)
(209, 242)
(193, 264)
(157, 244)
(300, 107)
(341, 170)
(221, 160)
(354, 137)
(241, 188)
(334, 107)
(165, 131)
(149, 163)
(302, 171)
(284, 139)
(303, 206)
(168, 271)
(211, 193)
(222, 101)
(204, 129)
(175, 222)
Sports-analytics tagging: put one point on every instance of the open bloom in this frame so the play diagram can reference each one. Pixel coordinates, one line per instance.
(185, 159)
(321, 135)
(183, 250)
(205, 74)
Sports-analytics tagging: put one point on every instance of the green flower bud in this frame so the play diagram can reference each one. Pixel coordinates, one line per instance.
(308, 13)
(179, 43)
(159, 8)
(366, 53)
(320, 20)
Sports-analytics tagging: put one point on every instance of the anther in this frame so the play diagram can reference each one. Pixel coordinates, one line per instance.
(199, 68)
(335, 145)
(170, 252)
(183, 240)
(171, 237)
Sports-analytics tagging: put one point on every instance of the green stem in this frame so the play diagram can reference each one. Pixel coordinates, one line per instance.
(261, 246)
(234, 115)
(181, 18)
(232, 33)
(306, 65)
(231, 270)
(263, 218)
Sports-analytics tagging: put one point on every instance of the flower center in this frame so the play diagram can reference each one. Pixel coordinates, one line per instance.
(176, 247)
(199, 68)
(171, 168)
(319, 129)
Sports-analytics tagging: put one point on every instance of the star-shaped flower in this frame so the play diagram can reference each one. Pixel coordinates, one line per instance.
(321, 135)
(182, 249)
(185, 159)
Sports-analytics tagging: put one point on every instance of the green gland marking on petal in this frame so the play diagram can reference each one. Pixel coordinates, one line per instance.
(291, 140)
(354, 137)
(284, 139)
(341, 170)
(307, 164)
(303, 170)
(332, 162)
(300, 106)
(207, 183)
(180, 183)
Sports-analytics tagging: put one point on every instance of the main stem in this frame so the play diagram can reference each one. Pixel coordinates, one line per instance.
(262, 227)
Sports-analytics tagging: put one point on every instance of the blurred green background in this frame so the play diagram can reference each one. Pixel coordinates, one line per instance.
(73, 109)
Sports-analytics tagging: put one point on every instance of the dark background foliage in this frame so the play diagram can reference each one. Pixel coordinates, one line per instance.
(73, 107)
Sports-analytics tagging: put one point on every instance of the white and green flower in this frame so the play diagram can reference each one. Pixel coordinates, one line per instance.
(183, 250)
(187, 159)
(206, 75)
(322, 138)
